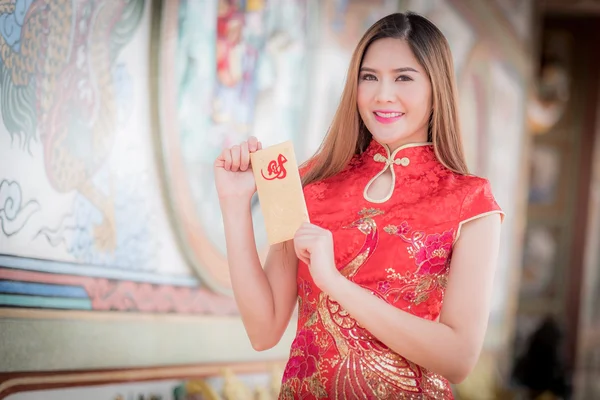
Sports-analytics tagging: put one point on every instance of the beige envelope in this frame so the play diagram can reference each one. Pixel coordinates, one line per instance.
(279, 191)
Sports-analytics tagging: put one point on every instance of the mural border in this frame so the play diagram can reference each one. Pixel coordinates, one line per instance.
(194, 243)
(81, 340)
(27, 382)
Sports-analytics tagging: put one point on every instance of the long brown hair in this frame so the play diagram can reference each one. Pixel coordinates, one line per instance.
(348, 135)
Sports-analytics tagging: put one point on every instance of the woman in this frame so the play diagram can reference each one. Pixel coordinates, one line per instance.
(398, 228)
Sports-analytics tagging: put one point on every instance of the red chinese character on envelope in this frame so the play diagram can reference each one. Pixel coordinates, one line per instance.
(275, 169)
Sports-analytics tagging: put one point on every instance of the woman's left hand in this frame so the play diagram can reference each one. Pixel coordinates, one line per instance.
(314, 247)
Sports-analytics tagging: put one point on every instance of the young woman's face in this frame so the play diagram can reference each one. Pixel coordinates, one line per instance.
(394, 94)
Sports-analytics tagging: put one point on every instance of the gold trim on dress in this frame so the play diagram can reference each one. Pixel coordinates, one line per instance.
(485, 214)
(389, 160)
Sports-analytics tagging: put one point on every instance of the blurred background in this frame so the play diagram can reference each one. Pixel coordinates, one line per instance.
(113, 277)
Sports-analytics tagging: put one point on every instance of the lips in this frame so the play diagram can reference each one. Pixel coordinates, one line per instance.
(387, 116)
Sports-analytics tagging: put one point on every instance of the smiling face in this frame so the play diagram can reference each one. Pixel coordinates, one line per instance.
(394, 94)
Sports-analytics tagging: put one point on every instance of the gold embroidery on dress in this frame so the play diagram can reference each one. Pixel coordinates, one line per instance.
(367, 368)
(431, 253)
(364, 368)
(308, 347)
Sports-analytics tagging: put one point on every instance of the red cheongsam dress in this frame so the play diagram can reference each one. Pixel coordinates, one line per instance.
(399, 248)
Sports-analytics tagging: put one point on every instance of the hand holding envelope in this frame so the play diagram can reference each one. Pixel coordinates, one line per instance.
(234, 179)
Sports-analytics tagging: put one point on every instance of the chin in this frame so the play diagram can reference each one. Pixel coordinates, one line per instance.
(390, 140)
(399, 137)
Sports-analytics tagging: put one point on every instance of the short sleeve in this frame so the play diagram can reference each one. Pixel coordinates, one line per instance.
(479, 202)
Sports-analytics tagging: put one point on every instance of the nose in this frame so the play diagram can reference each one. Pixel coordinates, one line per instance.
(385, 93)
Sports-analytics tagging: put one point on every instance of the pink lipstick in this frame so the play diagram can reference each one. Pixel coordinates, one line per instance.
(387, 116)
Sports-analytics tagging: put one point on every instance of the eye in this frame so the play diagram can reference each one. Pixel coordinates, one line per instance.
(404, 78)
(368, 77)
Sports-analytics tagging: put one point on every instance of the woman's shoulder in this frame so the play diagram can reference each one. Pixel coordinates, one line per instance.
(477, 197)
(470, 182)
(344, 176)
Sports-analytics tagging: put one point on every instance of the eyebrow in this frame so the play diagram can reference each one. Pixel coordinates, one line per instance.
(403, 69)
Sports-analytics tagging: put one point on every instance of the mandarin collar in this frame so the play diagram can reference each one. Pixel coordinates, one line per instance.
(409, 156)
(409, 160)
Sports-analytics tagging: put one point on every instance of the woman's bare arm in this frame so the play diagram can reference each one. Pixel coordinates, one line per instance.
(266, 298)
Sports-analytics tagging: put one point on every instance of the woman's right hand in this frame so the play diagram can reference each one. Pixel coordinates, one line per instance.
(233, 171)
